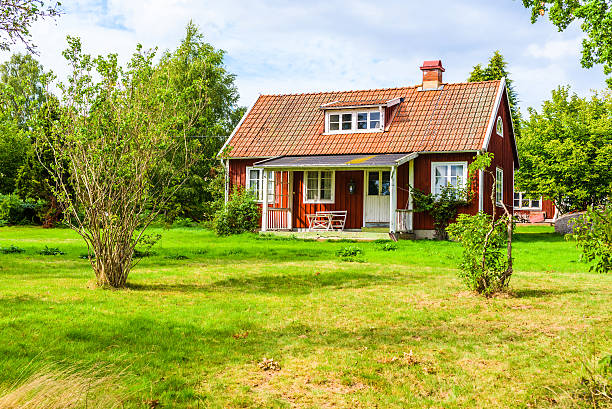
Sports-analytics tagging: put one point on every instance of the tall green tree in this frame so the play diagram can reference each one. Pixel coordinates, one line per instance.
(16, 18)
(595, 17)
(497, 69)
(566, 151)
(22, 94)
(199, 60)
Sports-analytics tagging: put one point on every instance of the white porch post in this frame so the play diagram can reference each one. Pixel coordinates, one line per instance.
(393, 200)
(264, 211)
(290, 201)
(411, 183)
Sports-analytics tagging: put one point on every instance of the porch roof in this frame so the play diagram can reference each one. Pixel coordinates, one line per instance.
(337, 161)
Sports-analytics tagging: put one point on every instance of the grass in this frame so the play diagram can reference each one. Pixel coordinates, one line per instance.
(395, 330)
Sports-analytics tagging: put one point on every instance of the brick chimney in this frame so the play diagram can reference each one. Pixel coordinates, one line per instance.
(432, 74)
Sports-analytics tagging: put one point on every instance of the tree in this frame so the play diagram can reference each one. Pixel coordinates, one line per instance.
(14, 147)
(16, 17)
(593, 234)
(566, 151)
(23, 82)
(199, 60)
(118, 131)
(496, 70)
(596, 22)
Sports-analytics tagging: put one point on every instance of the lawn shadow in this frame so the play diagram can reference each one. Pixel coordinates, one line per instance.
(538, 293)
(276, 284)
(538, 237)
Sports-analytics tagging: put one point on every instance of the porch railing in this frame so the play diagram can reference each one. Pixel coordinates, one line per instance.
(403, 218)
(279, 218)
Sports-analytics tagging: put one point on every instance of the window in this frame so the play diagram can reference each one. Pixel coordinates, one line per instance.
(379, 182)
(448, 174)
(523, 202)
(499, 186)
(255, 184)
(499, 126)
(354, 121)
(319, 186)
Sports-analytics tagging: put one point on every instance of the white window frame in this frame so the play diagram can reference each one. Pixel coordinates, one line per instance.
(499, 126)
(318, 199)
(436, 164)
(259, 193)
(521, 207)
(380, 180)
(499, 186)
(354, 113)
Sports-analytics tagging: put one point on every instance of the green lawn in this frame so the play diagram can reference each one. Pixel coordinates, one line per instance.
(395, 331)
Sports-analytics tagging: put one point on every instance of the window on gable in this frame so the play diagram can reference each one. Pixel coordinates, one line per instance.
(499, 126)
(453, 174)
(255, 184)
(499, 186)
(319, 186)
(357, 121)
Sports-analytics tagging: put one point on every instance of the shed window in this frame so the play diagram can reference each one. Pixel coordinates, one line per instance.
(319, 186)
(523, 202)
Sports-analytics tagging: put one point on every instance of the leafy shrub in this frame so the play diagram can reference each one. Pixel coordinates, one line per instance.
(390, 246)
(350, 253)
(593, 233)
(51, 251)
(443, 207)
(184, 222)
(484, 261)
(11, 249)
(241, 214)
(13, 210)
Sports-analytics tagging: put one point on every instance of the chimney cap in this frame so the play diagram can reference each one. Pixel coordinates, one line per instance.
(432, 65)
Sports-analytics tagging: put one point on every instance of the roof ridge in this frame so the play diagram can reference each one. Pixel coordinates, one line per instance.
(371, 89)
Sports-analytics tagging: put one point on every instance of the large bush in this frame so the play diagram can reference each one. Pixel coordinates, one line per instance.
(484, 263)
(241, 214)
(13, 210)
(593, 232)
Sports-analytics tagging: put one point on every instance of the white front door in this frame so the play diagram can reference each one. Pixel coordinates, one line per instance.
(377, 196)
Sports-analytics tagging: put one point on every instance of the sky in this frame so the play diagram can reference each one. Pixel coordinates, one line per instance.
(278, 46)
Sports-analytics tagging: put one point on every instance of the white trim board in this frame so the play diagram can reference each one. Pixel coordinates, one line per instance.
(493, 117)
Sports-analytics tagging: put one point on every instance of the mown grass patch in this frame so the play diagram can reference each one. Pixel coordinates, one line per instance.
(396, 330)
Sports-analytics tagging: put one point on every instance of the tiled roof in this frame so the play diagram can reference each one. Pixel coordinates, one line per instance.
(453, 119)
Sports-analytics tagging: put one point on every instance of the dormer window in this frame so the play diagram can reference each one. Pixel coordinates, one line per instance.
(353, 121)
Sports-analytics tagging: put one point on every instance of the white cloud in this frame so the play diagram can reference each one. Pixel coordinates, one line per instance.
(285, 46)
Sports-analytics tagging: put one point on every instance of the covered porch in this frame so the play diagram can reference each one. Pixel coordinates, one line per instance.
(331, 193)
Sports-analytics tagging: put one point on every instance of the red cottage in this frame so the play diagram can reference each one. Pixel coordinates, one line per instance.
(334, 160)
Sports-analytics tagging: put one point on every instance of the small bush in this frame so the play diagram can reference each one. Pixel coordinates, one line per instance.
(350, 253)
(11, 249)
(51, 251)
(13, 210)
(593, 233)
(241, 214)
(390, 246)
(471, 231)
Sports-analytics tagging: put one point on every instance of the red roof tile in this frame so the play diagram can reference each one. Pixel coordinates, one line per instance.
(453, 119)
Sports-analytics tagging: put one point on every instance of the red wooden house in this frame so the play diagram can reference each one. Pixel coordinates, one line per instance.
(359, 151)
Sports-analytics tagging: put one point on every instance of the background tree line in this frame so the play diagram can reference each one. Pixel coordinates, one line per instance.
(27, 105)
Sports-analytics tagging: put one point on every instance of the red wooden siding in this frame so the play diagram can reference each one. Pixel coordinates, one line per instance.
(422, 182)
(549, 208)
(501, 147)
(353, 204)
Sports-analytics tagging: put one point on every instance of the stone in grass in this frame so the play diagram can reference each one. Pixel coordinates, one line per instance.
(269, 365)
(565, 224)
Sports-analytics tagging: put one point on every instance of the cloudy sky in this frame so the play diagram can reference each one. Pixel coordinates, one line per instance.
(300, 46)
